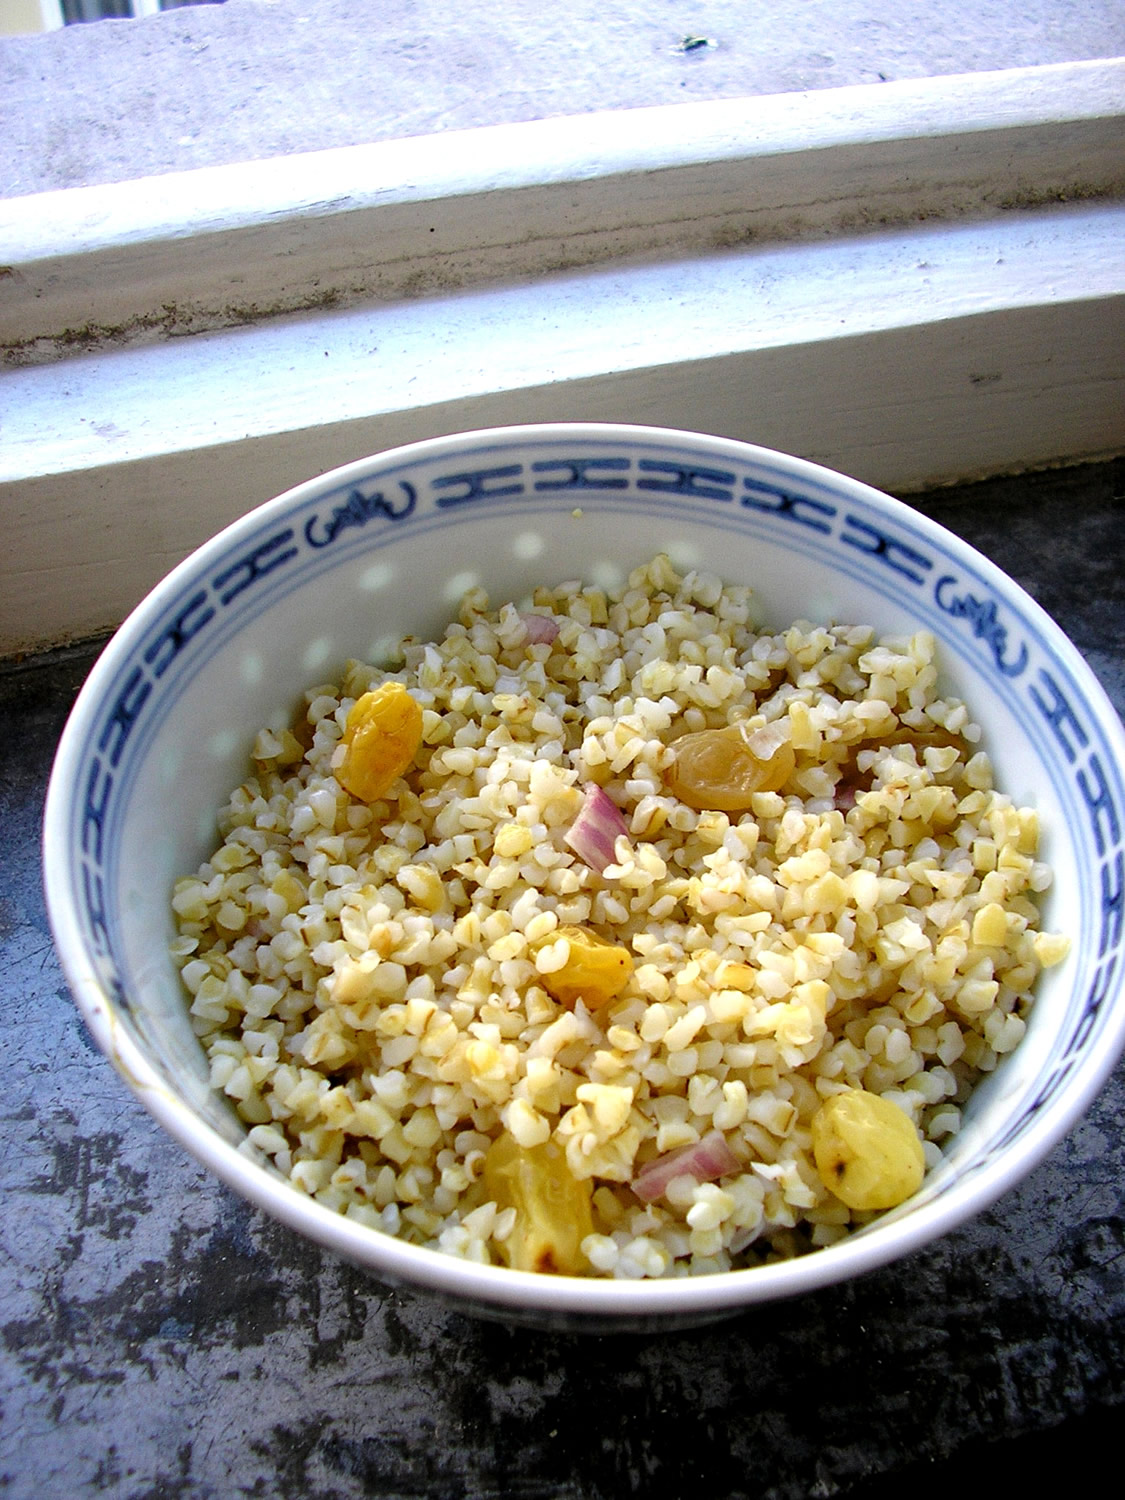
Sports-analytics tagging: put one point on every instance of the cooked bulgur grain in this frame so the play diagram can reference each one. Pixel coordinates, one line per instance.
(444, 1014)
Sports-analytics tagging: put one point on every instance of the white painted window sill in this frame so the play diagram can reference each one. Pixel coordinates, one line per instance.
(915, 283)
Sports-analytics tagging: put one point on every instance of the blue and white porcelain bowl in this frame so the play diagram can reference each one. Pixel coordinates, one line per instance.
(346, 564)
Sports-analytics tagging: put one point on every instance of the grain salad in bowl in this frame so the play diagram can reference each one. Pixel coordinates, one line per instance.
(618, 933)
(584, 954)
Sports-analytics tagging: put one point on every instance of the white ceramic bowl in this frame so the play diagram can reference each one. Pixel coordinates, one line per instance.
(345, 564)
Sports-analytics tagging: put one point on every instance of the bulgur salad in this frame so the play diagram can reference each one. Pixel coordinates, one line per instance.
(616, 934)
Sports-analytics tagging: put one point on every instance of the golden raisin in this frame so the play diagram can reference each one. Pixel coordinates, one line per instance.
(595, 970)
(866, 1150)
(719, 770)
(552, 1207)
(382, 736)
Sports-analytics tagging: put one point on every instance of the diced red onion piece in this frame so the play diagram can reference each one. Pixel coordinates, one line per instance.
(541, 629)
(596, 829)
(707, 1160)
(844, 797)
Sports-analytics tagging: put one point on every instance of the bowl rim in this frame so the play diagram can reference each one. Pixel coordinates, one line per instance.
(888, 1239)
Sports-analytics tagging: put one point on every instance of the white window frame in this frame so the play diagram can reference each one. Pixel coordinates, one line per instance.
(21, 17)
(917, 282)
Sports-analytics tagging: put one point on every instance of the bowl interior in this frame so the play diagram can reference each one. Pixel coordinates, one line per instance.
(346, 565)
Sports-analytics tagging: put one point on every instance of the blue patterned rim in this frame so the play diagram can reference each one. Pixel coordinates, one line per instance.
(430, 487)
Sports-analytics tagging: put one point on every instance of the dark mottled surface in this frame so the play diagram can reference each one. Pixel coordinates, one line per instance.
(158, 1338)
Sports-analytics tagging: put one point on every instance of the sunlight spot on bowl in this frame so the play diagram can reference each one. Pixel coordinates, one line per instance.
(376, 577)
(171, 765)
(528, 545)
(606, 575)
(384, 651)
(225, 743)
(317, 653)
(253, 668)
(822, 609)
(459, 585)
(683, 554)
